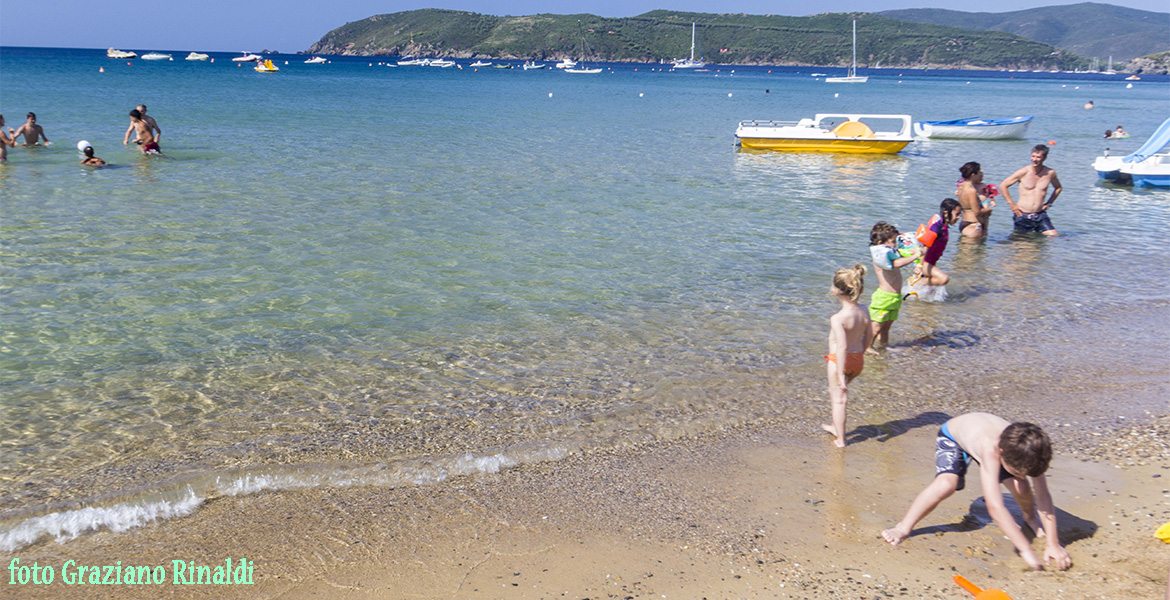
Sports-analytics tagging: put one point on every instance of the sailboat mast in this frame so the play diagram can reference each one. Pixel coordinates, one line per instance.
(692, 41)
(853, 71)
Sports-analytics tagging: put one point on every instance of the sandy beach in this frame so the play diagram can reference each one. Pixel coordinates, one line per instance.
(763, 510)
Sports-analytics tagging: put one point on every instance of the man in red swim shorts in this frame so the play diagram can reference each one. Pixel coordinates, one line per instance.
(146, 140)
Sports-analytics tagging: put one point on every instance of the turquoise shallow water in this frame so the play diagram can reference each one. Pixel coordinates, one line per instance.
(411, 273)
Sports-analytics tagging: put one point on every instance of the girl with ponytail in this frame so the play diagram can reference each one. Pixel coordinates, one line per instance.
(849, 336)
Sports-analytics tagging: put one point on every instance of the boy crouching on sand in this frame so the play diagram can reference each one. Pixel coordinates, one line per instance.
(1007, 452)
(887, 298)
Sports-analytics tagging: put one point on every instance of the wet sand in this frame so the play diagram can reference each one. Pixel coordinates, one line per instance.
(765, 509)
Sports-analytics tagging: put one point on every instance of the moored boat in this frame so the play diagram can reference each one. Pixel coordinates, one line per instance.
(852, 77)
(197, 56)
(316, 60)
(845, 133)
(530, 65)
(566, 63)
(156, 56)
(481, 63)
(974, 128)
(247, 57)
(115, 53)
(690, 63)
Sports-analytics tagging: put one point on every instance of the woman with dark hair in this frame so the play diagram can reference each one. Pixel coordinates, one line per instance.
(976, 198)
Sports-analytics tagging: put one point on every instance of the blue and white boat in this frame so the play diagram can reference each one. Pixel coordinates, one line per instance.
(1148, 166)
(974, 128)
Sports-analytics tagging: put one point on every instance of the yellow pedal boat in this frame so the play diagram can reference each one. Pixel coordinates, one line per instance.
(845, 133)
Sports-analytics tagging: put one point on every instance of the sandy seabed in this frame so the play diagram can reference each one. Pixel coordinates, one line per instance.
(765, 510)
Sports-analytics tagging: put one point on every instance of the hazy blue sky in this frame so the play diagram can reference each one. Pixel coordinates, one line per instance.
(292, 25)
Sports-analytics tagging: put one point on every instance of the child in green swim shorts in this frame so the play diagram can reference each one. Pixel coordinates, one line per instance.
(887, 298)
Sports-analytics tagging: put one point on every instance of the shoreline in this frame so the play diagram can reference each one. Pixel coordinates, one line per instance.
(767, 508)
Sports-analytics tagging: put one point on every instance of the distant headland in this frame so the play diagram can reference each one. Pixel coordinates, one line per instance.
(662, 35)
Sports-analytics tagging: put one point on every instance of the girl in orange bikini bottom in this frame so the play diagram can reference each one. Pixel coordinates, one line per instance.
(854, 363)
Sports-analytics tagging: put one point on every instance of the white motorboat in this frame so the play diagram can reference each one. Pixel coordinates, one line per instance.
(441, 63)
(247, 57)
(529, 65)
(566, 63)
(852, 77)
(691, 63)
(1148, 166)
(316, 60)
(156, 56)
(845, 133)
(481, 63)
(115, 53)
(197, 56)
(974, 128)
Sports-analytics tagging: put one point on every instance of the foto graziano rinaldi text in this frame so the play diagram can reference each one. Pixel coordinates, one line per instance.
(180, 572)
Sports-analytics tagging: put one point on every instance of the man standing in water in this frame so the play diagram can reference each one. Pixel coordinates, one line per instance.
(32, 132)
(1031, 212)
(148, 145)
(150, 122)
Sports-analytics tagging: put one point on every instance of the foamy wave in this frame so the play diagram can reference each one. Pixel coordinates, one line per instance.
(67, 525)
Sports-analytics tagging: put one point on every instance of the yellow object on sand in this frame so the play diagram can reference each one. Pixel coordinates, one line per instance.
(1163, 533)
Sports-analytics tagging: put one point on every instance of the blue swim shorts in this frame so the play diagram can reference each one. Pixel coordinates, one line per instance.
(1038, 222)
(949, 457)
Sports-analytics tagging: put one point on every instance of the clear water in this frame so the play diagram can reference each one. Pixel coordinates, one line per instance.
(351, 274)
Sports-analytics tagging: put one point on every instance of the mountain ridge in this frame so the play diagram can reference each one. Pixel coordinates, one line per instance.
(659, 35)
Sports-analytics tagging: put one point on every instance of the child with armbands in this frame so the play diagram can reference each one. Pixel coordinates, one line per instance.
(886, 299)
(929, 282)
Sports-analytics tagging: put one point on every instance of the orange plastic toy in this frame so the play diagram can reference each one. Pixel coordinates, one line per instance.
(981, 594)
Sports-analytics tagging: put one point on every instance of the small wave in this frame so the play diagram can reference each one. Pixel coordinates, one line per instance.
(121, 516)
(69, 524)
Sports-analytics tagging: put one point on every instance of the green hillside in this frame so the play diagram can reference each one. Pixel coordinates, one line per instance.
(823, 40)
(1088, 29)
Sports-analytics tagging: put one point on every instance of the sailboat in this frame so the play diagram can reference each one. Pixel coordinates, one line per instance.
(852, 77)
(691, 63)
(583, 66)
(1110, 70)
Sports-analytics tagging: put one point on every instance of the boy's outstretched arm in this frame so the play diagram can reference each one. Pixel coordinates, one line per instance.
(989, 477)
(1054, 553)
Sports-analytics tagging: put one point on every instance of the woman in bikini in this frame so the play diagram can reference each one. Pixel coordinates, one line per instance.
(977, 200)
(849, 336)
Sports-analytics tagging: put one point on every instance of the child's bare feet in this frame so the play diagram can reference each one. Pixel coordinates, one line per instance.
(833, 432)
(895, 535)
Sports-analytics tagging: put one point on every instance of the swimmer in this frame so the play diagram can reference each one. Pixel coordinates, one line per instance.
(1119, 132)
(90, 159)
(1089, 105)
(975, 200)
(1031, 213)
(949, 213)
(32, 132)
(5, 140)
(146, 139)
(849, 336)
(150, 122)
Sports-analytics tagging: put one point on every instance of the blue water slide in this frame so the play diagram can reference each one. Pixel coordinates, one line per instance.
(1154, 145)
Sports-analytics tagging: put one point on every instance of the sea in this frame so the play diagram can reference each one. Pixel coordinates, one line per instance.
(359, 274)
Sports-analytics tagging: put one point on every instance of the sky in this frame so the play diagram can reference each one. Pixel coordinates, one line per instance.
(293, 25)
